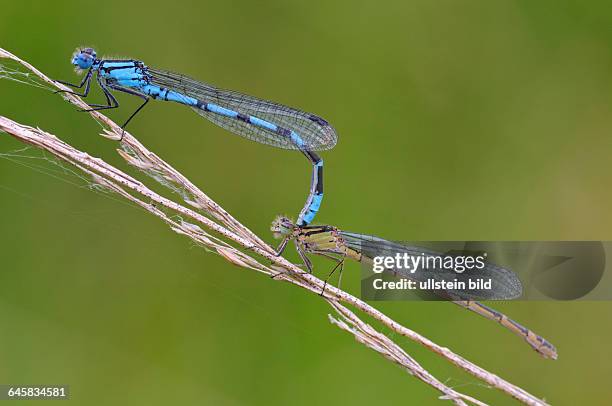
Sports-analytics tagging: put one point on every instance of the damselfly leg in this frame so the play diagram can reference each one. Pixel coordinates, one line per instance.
(303, 256)
(133, 93)
(281, 247)
(111, 101)
(85, 82)
(339, 264)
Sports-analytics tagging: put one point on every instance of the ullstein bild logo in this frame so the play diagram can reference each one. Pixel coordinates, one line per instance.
(532, 270)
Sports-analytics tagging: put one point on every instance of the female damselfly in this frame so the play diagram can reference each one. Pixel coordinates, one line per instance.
(333, 243)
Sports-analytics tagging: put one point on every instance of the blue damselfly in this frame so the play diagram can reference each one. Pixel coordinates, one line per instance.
(252, 118)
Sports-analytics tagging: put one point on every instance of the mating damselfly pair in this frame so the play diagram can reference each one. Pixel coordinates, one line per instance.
(283, 127)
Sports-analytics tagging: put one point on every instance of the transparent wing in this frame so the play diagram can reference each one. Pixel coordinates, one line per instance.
(505, 284)
(316, 133)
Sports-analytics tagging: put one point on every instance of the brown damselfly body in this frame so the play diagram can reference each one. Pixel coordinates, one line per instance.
(333, 243)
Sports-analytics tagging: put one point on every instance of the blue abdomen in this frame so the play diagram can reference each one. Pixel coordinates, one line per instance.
(161, 93)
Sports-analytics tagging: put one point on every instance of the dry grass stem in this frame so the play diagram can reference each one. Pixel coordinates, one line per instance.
(205, 222)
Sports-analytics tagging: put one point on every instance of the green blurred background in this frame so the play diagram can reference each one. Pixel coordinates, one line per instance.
(457, 120)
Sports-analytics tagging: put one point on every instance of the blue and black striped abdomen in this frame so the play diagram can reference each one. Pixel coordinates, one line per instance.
(252, 118)
(315, 197)
(251, 126)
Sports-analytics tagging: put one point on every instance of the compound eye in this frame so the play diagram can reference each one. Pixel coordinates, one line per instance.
(90, 52)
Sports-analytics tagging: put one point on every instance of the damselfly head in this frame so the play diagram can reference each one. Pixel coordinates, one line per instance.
(282, 227)
(83, 58)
